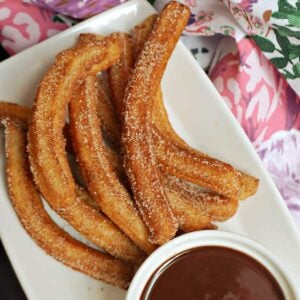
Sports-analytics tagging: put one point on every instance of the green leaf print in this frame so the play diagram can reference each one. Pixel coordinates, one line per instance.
(57, 19)
(282, 41)
(294, 51)
(264, 44)
(294, 20)
(285, 7)
(296, 69)
(285, 31)
(292, 55)
(287, 39)
(279, 62)
(279, 15)
(288, 75)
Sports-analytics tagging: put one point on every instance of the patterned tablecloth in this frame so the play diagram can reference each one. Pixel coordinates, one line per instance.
(250, 48)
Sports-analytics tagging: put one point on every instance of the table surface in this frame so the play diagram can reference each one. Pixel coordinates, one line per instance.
(10, 288)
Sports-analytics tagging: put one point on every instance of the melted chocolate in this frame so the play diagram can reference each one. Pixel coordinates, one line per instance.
(212, 273)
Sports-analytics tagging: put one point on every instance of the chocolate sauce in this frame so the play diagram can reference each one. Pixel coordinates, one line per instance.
(212, 273)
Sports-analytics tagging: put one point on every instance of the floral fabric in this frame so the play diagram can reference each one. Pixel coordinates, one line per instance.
(250, 49)
(262, 102)
(267, 108)
(23, 25)
(78, 9)
(275, 27)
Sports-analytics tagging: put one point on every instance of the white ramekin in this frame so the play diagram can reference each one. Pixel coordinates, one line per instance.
(213, 238)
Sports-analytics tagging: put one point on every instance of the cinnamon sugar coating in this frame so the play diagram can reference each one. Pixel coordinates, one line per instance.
(42, 229)
(140, 161)
(100, 178)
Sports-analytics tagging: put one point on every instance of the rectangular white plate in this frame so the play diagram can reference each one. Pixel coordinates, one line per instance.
(198, 114)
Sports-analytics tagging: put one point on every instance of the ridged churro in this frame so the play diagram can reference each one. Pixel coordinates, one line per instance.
(100, 178)
(190, 204)
(110, 237)
(140, 34)
(194, 208)
(40, 226)
(14, 111)
(210, 173)
(139, 156)
(104, 105)
(119, 72)
(107, 114)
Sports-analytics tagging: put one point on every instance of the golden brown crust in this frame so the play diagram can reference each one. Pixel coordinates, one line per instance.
(119, 72)
(249, 185)
(196, 208)
(109, 237)
(109, 122)
(161, 121)
(188, 209)
(110, 126)
(87, 39)
(14, 111)
(46, 147)
(100, 178)
(45, 132)
(193, 159)
(140, 34)
(84, 195)
(139, 157)
(42, 229)
(194, 166)
(201, 170)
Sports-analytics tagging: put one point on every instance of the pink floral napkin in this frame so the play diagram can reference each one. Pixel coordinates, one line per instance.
(250, 48)
(267, 108)
(23, 25)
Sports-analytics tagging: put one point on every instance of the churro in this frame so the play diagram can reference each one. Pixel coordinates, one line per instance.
(14, 111)
(104, 105)
(139, 158)
(194, 208)
(40, 226)
(110, 237)
(140, 34)
(210, 173)
(119, 72)
(100, 178)
(107, 115)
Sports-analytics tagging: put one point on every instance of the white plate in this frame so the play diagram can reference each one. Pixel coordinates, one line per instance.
(199, 115)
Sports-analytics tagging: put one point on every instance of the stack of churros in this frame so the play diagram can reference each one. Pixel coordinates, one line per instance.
(139, 182)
